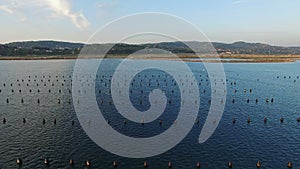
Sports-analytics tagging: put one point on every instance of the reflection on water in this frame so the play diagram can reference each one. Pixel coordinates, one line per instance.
(40, 93)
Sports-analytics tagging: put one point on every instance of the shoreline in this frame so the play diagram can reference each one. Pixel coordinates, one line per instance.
(183, 57)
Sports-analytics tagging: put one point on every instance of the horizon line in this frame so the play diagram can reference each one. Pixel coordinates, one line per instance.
(141, 43)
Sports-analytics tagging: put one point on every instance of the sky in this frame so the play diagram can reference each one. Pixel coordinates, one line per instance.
(274, 22)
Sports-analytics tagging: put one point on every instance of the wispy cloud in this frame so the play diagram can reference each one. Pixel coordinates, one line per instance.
(6, 9)
(63, 8)
(59, 8)
(104, 7)
(236, 2)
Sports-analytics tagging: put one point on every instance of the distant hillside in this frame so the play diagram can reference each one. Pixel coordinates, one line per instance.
(46, 44)
(50, 48)
(255, 48)
(233, 48)
(40, 48)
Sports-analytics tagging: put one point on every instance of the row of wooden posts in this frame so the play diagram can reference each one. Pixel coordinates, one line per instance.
(146, 164)
(234, 120)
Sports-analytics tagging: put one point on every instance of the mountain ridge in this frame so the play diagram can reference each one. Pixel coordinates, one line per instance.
(51, 47)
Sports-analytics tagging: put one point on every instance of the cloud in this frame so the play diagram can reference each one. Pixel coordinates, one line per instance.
(6, 9)
(63, 8)
(104, 8)
(236, 2)
(60, 8)
(22, 19)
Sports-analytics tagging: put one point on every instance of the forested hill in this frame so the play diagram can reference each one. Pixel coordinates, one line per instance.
(52, 48)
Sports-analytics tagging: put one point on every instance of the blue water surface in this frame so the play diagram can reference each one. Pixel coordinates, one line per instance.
(41, 90)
